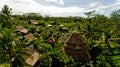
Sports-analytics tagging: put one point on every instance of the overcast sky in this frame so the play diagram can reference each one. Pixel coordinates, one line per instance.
(62, 7)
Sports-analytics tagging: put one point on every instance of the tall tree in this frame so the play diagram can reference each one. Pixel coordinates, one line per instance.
(90, 13)
(6, 16)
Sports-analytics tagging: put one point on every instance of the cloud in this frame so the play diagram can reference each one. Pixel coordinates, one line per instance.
(117, 0)
(26, 6)
(64, 7)
(59, 11)
(93, 4)
(107, 9)
(60, 2)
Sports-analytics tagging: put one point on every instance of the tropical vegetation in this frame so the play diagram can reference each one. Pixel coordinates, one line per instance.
(100, 33)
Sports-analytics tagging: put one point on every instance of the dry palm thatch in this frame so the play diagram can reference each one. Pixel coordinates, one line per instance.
(32, 22)
(76, 47)
(22, 29)
(29, 36)
(33, 57)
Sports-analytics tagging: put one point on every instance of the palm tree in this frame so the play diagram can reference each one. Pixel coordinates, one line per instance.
(6, 16)
(10, 47)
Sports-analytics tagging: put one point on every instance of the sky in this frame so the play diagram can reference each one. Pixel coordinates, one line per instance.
(61, 7)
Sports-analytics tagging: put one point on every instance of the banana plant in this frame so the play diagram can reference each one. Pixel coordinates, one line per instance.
(10, 47)
(109, 48)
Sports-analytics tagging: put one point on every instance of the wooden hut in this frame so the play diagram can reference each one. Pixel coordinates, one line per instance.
(76, 47)
(22, 29)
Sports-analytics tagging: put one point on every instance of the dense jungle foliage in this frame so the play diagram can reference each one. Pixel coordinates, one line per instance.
(100, 33)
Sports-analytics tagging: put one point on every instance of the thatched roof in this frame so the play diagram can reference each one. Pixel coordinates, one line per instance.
(33, 22)
(75, 39)
(29, 36)
(34, 55)
(76, 47)
(22, 29)
(81, 54)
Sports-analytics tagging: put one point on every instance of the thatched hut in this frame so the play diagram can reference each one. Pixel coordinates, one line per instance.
(29, 36)
(32, 22)
(22, 29)
(34, 55)
(76, 47)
